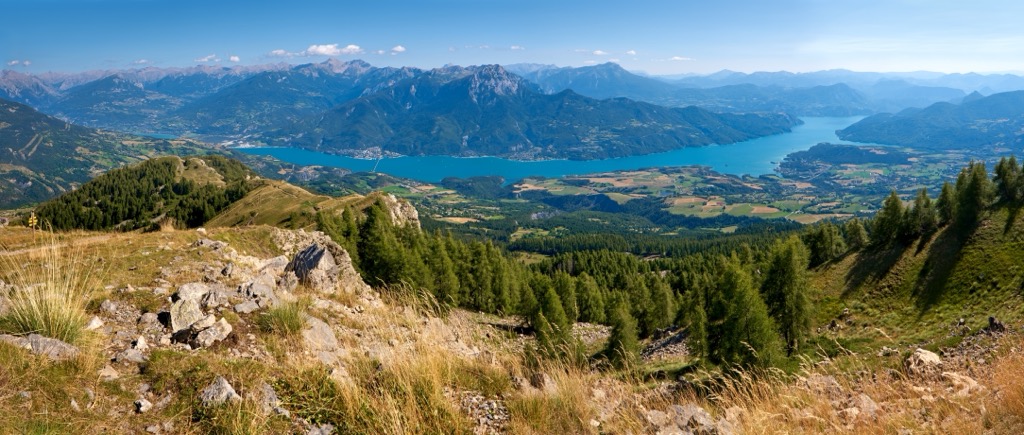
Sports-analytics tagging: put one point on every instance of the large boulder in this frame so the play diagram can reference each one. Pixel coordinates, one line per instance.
(208, 336)
(923, 362)
(319, 339)
(184, 313)
(219, 392)
(315, 267)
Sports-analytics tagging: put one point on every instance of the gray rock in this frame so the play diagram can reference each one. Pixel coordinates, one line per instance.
(184, 313)
(149, 320)
(271, 404)
(130, 356)
(51, 347)
(315, 267)
(542, 381)
(74, 405)
(94, 324)
(923, 362)
(140, 344)
(246, 307)
(142, 405)
(218, 392)
(288, 282)
(657, 418)
(228, 270)
(318, 335)
(260, 292)
(217, 298)
(692, 417)
(25, 395)
(108, 306)
(21, 342)
(274, 266)
(108, 373)
(825, 385)
(204, 323)
(192, 290)
(868, 407)
(323, 429)
(211, 335)
(212, 244)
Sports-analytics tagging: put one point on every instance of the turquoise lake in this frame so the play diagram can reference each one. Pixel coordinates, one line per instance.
(753, 157)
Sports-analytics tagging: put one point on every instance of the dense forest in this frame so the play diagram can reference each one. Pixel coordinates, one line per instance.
(144, 195)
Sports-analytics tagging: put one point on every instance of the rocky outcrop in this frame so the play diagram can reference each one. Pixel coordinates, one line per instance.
(923, 363)
(315, 268)
(402, 213)
(219, 392)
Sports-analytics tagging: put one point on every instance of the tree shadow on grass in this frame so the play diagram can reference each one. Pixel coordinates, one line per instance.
(1012, 213)
(873, 264)
(934, 275)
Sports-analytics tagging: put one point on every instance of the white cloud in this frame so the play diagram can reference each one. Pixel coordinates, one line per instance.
(679, 58)
(208, 58)
(631, 52)
(599, 53)
(319, 50)
(452, 49)
(379, 52)
(517, 47)
(17, 62)
(234, 58)
(397, 49)
(614, 59)
(140, 62)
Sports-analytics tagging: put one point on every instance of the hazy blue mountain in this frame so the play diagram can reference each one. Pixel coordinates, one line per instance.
(607, 80)
(486, 110)
(25, 88)
(996, 120)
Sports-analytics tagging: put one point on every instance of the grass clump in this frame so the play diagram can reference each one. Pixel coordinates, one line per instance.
(287, 318)
(47, 295)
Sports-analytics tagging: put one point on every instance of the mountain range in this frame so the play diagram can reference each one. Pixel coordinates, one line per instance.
(977, 123)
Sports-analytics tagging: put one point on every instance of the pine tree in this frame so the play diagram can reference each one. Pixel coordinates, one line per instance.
(946, 204)
(973, 193)
(623, 347)
(888, 220)
(695, 319)
(379, 249)
(748, 334)
(1008, 180)
(922, 219)
(590, 299)
(855, 235)
(565, 287)
(824, 242)
(662, 308)
(785, 291)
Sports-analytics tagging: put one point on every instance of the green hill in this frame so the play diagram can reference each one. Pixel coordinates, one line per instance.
(42, 156)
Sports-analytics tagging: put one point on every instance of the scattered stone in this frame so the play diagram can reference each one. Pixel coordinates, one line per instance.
(51, 347)
(108, 373)
(21, 342)
(228, 270)
(271, 404)
(24, 395)
(108, 306)
(825, 385)
(866, 406)
(192, 290)
(260, 292)
(323, 429)
(923, 362)
(211, 335)
(218, 392)
(149, 320)
(995, 326)
(94, 324)
(74, 405)
(140, 344)
(142, 405)
(246, 307)
(963, 385)
(212, 244)
(692, 417)
(184, 313)
(130, 356)
(657, 418)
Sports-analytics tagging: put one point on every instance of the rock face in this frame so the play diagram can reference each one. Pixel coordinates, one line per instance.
(219, 392)
(923, 362)
(401, 213)
(315, 267)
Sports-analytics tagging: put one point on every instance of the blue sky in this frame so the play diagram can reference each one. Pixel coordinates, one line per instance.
(657, 37)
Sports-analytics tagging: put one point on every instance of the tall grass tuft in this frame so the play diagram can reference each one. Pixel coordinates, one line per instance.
(286, 318)
(47, 294)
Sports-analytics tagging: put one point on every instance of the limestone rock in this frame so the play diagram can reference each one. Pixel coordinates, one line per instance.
(184, 313)
(142, 405)
(130, 356)
(315, 267)
(246, 307)
(108, 373)
(963, 385)
(192, 290)
(207, 337)
(212, 244)
(923, 362)
(94, 323)
(271, 404)
(108, 306)
(693, 418)
(51, 347)
(218, 392)
(260, 292)
(319, 338)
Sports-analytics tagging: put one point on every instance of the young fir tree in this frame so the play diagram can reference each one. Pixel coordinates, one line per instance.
(662, 309)
(565, 287)
(446, 282)
(748, 334)
(785, 291)
(922, 219)
(695, 320)
(380, 253)
(825, 243)
(1009, 180)
(888, 220)
(590, 299)
(946, 204)
(623, 348)
(856, 236)
(973, 193)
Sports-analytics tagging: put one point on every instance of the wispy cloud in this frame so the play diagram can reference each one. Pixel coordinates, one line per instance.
(17, 62)
(517, 48)
(319, 50)
(207, 58)
(614, 59)
(631, 52)
(599, 53)
(234, 58)
(140, 62)
(679, 58)
(397, 49)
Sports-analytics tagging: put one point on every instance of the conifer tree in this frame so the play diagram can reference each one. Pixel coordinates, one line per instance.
(889, 220)
(855, 236)
(695, 320)
(565, 287)
(381, 258)
(623, 347)
(785, 291)
(1008, 180)
(974, 192)
(748, 334)
(590, 299)
(946, 204)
